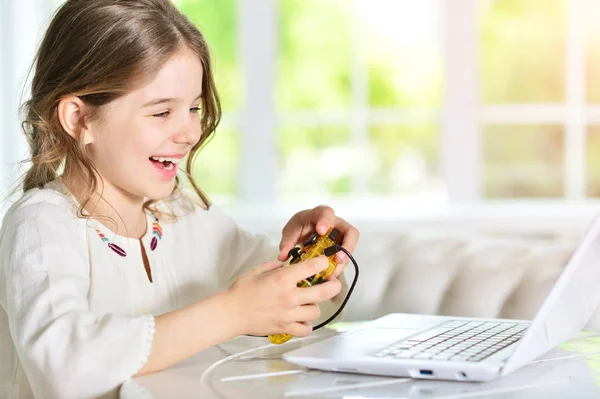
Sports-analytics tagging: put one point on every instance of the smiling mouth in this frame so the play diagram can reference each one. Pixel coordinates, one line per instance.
(165, 163)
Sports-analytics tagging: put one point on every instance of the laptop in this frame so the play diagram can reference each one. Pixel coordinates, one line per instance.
(466, 349)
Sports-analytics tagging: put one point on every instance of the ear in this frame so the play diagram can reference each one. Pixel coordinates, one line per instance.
(70, 115)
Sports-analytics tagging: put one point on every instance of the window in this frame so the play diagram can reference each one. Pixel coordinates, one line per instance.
(592, 67)
(537, 79)
(522, 48)
(477, 100)
(592, 42)
(593, 160)
(441, 100)
(524, 161)
(522, 60)
(358, 92)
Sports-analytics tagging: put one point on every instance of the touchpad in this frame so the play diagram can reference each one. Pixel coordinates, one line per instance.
(377, 336)
(393, 334)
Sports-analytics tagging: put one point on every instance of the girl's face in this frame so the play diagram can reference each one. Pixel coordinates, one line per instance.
(141, 138)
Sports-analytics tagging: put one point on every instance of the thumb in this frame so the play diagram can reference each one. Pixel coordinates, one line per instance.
(289, 239)
(283, 253)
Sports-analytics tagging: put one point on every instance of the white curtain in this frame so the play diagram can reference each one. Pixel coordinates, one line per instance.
(22, 24)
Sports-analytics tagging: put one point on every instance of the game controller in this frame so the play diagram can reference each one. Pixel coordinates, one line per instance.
(315, 245)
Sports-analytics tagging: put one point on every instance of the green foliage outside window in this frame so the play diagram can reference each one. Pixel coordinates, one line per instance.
(522, 47)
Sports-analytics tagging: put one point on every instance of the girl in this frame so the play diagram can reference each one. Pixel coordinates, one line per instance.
(108, 268)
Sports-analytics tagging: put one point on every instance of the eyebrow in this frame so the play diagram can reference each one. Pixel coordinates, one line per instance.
(158, 101)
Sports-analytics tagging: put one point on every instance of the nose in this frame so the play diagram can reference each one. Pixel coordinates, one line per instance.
(188, 132)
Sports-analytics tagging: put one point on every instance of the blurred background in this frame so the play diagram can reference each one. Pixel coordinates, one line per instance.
(462, 137)
(380, 107)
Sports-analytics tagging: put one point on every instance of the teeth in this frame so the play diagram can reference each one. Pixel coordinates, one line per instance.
(169, 166)
(161, 159)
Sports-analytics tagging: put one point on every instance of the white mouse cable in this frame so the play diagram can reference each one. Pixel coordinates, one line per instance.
(328, 252)
(216, 364)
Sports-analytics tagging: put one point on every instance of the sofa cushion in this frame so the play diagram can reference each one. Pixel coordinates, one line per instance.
(475, 275)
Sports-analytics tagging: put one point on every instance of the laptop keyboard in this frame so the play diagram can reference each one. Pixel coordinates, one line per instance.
(456, 340)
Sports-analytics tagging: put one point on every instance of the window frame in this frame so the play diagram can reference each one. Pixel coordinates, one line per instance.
(461, 117)
(462, 114)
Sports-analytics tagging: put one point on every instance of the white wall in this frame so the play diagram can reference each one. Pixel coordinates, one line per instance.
(21, 25)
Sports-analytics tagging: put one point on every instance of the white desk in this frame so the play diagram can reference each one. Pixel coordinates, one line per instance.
(570, 371)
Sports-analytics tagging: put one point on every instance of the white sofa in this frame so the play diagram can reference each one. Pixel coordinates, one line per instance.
(490, 264)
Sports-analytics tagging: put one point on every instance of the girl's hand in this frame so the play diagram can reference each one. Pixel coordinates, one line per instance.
(269, 301)
(319, 219)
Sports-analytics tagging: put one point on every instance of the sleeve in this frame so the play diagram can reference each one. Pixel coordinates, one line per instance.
(66, 350)
(240, 250)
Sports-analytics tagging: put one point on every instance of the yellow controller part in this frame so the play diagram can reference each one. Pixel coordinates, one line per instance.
(313, 247)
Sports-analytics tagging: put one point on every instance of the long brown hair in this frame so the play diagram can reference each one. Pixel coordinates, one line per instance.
(100, 50)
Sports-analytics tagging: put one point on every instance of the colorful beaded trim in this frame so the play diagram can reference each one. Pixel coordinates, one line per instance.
(156, 232)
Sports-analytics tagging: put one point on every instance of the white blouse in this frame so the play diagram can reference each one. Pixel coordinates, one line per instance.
(76, 317)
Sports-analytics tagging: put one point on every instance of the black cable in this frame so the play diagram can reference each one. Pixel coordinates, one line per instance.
(328, 252)
(340, 248)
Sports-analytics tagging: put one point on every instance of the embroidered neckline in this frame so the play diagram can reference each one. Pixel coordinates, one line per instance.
(156, 237)
(156, 232)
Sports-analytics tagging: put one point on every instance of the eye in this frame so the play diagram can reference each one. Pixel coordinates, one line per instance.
(195, 110)
(162, 114)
